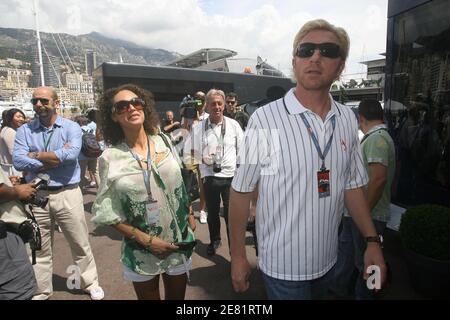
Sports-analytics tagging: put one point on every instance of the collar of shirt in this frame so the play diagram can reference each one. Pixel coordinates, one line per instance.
(294, 106)
(36, 125)
(214, 125)
(377, 127)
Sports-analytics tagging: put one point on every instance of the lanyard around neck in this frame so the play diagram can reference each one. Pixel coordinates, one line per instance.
(47, 141)
(222, 133)
(145, 172)
(323, 154)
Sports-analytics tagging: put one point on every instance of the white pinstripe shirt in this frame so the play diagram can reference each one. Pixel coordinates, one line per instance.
(297, 230)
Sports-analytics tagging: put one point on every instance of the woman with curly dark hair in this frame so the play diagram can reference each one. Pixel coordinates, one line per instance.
(142, 194)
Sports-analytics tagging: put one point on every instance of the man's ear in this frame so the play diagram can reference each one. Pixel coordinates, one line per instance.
(56, 104)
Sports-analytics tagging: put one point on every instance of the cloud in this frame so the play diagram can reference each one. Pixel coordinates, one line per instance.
(250, 27)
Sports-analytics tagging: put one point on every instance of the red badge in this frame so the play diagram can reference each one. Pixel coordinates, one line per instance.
(323, 183)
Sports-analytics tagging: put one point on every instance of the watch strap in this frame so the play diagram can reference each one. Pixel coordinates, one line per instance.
(377, 239)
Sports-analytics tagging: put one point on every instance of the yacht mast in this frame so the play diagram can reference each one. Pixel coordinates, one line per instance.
(41, 65)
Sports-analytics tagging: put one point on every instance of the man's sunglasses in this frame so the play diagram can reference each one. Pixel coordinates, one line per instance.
(327, 49)
(44, 101)
(124, 105)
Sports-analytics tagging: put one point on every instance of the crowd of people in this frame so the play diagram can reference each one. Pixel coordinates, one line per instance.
(287, 173)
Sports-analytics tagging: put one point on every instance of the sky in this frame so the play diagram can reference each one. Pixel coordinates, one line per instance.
(251, 27)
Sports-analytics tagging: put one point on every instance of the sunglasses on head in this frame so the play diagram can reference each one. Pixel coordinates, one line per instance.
(44, 101)
(327, 49)
(124, 105)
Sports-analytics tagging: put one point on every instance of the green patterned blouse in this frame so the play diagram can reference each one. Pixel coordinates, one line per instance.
(122, 197)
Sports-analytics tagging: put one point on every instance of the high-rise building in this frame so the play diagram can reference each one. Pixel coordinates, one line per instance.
(52, 70)
(90, 59)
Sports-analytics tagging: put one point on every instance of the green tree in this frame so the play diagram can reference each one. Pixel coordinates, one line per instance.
(343, 97)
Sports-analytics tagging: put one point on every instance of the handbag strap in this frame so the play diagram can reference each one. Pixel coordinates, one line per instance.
(166, 141)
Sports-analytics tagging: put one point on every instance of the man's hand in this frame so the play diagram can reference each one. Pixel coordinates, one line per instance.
(240, 274)
(32, 155)
(374, 257)
(25, 191)
(49, 159)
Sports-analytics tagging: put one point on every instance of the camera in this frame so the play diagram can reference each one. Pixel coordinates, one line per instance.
(217, 163)
(40, 181)
(189, 106)
(217, 167)
(30, 232)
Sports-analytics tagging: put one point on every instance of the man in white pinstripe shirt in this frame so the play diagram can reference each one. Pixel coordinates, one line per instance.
(303, 153)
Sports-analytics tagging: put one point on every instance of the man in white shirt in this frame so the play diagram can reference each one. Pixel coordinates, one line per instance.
(303, 153)
(216, 142)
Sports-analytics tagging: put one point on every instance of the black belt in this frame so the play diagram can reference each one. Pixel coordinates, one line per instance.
(57, 188)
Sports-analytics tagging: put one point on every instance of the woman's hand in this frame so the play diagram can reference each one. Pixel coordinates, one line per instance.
(159, 248)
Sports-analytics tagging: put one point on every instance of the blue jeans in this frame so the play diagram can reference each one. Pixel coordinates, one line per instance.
(277, 289)
(351, 260)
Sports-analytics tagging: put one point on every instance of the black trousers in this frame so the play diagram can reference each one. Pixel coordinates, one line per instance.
(216, 189)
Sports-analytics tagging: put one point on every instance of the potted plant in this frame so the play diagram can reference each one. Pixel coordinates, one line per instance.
(425, 234)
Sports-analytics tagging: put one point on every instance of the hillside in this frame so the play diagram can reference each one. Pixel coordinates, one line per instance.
(19, 44)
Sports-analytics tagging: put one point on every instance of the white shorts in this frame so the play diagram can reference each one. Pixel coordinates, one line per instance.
(130, 275)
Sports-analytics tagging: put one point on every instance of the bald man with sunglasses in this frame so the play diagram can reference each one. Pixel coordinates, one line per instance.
(51, 144)
(302, 153)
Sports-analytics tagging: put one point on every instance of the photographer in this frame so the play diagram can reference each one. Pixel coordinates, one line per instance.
(193, 111)
(17, 281)
(216, 142)
(169, 124)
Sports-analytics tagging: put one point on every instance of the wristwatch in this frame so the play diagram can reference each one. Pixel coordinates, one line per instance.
(377, 239)
(34, 154)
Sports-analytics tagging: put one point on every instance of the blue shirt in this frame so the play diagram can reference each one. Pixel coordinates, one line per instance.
(34, 136)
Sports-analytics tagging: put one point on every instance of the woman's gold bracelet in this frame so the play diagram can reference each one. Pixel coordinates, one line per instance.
(133, 233)
(149, 242)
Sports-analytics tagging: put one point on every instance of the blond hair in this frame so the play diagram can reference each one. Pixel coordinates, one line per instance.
(320, 24)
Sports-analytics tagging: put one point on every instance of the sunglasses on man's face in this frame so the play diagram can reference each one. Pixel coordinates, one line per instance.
(124, 105)
(44, 101)
(327, 49)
